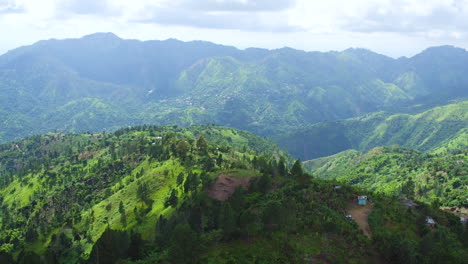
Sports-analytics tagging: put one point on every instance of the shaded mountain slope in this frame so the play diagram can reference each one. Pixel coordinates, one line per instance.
(430, 130)
(267, 92)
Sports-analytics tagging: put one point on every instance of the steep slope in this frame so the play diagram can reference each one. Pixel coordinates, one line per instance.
(430, 130)
(440, 178)
(165, 82)
(60, 186)
(142, 195)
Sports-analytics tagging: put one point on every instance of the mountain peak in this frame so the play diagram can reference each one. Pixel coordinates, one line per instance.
(445, 49)
(103, 36)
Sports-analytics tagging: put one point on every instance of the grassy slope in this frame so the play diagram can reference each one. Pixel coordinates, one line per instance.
(70, 204)
(92, 150)
(436, 177)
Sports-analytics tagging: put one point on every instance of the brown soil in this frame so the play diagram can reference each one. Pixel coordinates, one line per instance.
(225, 186)
(360, 214)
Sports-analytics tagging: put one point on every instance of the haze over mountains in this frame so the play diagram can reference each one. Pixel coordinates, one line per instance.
(103, 82)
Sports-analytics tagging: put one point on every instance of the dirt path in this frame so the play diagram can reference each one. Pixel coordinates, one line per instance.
(225, 186)
(360, 213)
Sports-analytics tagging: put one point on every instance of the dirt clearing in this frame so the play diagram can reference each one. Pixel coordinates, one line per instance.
(360, 213)
(225, 186)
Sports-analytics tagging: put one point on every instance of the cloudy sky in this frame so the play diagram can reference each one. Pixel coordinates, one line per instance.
(392, 27)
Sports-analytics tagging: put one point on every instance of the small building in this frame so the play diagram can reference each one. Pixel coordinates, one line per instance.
(430, 221)
(362, 200)
(337, 187)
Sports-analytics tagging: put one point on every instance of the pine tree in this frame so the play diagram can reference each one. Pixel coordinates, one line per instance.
(296, 170)
(172, 199)
(123, 215)
(180, 178)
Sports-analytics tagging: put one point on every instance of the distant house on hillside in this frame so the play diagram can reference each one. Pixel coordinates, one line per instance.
(362, 200)
(430, 222)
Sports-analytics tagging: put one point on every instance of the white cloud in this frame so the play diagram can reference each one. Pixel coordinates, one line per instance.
(395, 27)
(10, 6)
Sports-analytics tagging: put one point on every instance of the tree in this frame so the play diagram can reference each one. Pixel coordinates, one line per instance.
(180, 178)
(172, 199)
(110, 247)
(408, 188)
(191, 182)
(123, 215)
(227, 219)
(202, 146)
(250, 223)
(184, 245)
(219, 160)
(143, 192)
(208, 163)
(296, 170)
(182, 148)
(282, 167)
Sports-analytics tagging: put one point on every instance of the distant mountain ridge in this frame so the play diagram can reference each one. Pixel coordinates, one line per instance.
(103, 82)
(437, 129)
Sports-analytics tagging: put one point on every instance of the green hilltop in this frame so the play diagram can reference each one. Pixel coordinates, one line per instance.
(399, 172)
(149, 195)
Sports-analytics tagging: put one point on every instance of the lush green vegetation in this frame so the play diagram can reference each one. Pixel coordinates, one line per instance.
(149, 194)
(139, 195)
(402, 235)
(103, 82)
(64, 184)
(399, 172)
(438, 129)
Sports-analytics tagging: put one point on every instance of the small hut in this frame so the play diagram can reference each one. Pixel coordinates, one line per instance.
(362, 200)
(430, 222)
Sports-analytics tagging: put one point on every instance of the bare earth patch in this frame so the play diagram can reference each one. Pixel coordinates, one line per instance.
(360, 213)
(225, 186)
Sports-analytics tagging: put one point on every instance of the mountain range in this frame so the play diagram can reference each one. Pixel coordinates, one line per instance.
(101, 82)
(111, 151)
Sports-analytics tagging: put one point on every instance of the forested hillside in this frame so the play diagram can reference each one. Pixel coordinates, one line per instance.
(103, 82)
(394, 171)
(64, 190)
(152, 195)
(437, 129)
